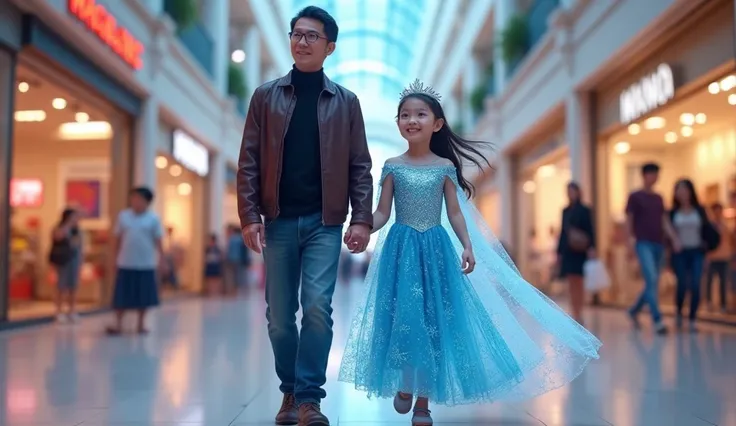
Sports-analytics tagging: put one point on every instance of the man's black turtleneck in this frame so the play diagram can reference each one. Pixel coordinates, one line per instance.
(300, 190)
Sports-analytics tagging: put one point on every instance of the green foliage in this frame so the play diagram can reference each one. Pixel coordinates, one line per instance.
(236, 85)
(184, 12)
(514, 38)
(478, 97)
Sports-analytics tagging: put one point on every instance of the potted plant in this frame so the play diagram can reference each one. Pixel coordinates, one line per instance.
(514, 38)
(183, 12)
(478, 97)
(236, 82)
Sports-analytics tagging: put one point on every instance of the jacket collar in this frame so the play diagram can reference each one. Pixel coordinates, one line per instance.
(328, 84)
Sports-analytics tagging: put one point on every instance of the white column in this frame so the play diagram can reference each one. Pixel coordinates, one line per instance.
(505, 183)
(252, 47)
(216, 18)
(577, 134)
(156, 7)
(217, 184)
(505, 9)
(146, 141)
(451, 110)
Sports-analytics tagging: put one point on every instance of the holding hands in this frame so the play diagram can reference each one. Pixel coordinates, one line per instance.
(357, 238)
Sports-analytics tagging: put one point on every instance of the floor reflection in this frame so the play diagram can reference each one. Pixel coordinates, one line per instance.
(209, 362)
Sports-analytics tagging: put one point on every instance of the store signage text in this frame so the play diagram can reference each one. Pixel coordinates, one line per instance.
(649, 93)
(190, 153)
(26, 193)
(102, 23)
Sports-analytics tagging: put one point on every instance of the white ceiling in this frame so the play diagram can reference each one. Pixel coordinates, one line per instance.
(719, 114)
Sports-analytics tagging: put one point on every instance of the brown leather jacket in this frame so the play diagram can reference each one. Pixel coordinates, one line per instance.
(346, 162)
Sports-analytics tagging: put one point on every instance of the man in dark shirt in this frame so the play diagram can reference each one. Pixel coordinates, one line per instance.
(646, 222)
(304, 156)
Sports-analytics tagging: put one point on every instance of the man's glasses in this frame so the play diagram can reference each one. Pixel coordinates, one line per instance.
(309, 37)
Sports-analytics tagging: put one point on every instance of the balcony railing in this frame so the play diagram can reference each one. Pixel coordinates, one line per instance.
(537, 17)
(196, 38)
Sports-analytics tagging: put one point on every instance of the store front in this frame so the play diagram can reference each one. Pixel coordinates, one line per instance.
(181, 200)
(675, 108)
(64, 120)
(541, 177)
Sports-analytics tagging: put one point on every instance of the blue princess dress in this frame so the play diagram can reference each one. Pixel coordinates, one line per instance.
(427, 329)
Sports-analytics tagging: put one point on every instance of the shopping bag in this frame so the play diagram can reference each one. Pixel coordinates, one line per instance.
(595, 276)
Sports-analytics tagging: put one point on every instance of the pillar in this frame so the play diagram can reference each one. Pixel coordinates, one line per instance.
(146, 142)
(470, 81)
(252, 47)
(579, 141)
(217, 182)
(505, 184)
(505, 9)
(7, 102)
(216, 18)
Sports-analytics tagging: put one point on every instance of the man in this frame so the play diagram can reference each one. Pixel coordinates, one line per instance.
(304, 155)
(647, 224)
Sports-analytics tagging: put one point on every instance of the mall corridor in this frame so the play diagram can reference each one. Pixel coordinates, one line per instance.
(209, 363)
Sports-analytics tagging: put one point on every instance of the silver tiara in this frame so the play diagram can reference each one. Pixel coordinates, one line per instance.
(419, 87)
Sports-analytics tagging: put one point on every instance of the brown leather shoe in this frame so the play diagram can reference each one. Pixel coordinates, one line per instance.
(310, 415)
(288, 414)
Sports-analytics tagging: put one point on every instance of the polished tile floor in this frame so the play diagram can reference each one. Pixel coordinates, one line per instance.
(209, 363)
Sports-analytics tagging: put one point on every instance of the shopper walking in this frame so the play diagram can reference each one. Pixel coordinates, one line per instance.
(66, 257)
(304, 155)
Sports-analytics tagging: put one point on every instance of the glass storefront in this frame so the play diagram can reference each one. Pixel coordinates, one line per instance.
(694, 138)
(63, 138)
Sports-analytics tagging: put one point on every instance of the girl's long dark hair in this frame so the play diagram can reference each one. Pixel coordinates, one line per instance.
(676, 205)
(447, 144)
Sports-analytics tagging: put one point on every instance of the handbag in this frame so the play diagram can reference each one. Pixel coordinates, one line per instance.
(577, 240)
(61, 252)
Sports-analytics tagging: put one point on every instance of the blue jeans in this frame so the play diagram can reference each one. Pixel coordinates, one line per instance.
(301, 250)
(688, 266)
(650, 262)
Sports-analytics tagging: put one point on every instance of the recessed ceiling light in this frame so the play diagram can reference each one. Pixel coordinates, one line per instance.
(728, 83)
(687, 119)
(30, 116)
(700, 118)
(161, 162)
(670, 137)
(175, 170)
(622, 147)
(59, 103)
(529, 187)
(238, 56)
(653, 123)
(81, 117)
(634, 129)
(23, 87)
(732, 99)
(686, 131)
(714, 88)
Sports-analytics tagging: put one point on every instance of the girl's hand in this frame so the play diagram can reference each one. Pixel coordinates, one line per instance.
(468, 261)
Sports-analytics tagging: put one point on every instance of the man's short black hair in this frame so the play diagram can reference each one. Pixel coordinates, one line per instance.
(649, 168)
(144, 192)
(321, 15)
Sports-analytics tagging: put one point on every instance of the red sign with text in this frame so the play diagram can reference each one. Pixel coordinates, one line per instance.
(102, 23)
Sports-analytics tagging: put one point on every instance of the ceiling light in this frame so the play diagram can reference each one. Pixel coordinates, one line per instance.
(686, 131)
(732, 99)
(700, 118)
(91, 130)
(687, 119)
(547, 170)
(238, 56)
(81, 117)
(634, 129)
(59, 103)
(714, 88)
(728, 83)
(529, 187)
(175, 170)
(653, 123)
(670, 137)
(23, 87)
(161, 162)
(184, 189)
(622, 147)
(30, 116)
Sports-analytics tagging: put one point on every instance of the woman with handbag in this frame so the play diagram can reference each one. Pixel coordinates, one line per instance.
(66, 258)
(576, 245)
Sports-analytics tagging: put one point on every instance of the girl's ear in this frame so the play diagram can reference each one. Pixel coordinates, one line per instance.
(438, 124)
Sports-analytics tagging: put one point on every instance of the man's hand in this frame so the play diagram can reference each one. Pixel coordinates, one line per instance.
(254, 236)
(357, 238)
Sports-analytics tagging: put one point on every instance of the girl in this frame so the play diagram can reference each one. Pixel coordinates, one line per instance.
(213, 259)
(66, 256)
(435, 324)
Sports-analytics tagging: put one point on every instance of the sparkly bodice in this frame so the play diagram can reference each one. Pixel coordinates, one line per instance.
(419, 193)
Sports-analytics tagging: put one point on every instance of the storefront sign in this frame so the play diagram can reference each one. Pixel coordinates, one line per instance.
(649, 93)
(191, 154)
(102, 23)
(26, 193)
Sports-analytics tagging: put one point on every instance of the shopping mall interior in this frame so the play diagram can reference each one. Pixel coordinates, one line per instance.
(61, 158)
(692, 137)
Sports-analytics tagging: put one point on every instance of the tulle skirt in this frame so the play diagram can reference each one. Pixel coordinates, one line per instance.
(423, 329)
